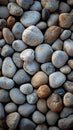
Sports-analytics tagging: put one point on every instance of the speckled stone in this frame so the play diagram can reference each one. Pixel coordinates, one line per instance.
(57, 45)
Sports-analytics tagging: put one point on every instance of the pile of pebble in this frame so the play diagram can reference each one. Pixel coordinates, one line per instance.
(36, 65)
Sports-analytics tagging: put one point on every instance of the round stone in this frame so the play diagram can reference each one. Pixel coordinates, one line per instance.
(43, 53)
(60, 91)
(54, 103)
(65, 34)
(45, 14)
(4, 96)
(39, 79)
(10, 107)
(68, 99)
(65, 69)
(41, 25)
(4, 13)
(59, 58)
(16, 96)
(27, 18)
(56, 79)
(36, 6)
(57, 45)
(68, 47)
(2, 113)
(38, 117)
(2, 42)
(32, 36)
(2, 23)
(70, 63)
(41, 127)
(64, 7)
(66, 112)
(10, 21)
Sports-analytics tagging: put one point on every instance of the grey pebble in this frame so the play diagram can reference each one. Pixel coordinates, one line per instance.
(65, 34)
(41, 127)
(68, 99)
(4, 96)
(2, 42)
(53, 128)
(2, 113)
(57, 45)
(36, 6)
(41, 25)
(45, 14)
(4, 13)
(53, 19)
(10, 107)
(68, 86)
(32, 98)
(0, 63)
(64, 7)
(70, 76)
(2, 23)
(66, 111)
(16, 96)
(68, 47)
(65, 69)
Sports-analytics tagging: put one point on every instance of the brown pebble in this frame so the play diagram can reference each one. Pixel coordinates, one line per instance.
(70, 63)
(10, 21)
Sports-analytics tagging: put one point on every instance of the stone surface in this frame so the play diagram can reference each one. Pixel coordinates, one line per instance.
(2, 23)
(57, 45)
(2, 113)
(64, 7)
(68, 99)
(68, 47)
(36, 6)
(70, 2)
(53, 19)
(65, 34)
(41, 127)
(11, 21)
(41, 25)
(2, 42)
(45, 14)
(60, 91)
(68, 85)
(66, 111)
(10, 107)
(4, 96)
(4, 12)
(70, 63)
(53, 128)
(65, 69)
(70, 76)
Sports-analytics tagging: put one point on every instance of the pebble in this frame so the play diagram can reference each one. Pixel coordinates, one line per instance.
(21, 77)
(66, 123)
(72, 36)
(51, 5)
(53, 19)
(42, 105)
(39, 79)
(26, 109)
(56, 79)
(66, 111)
(14, 9)
(2, 42)
(65, 34)
(52, 34)
(26, 124)
(2, 23)
(16, 59)
(54, 103)
(2, 112)
(11, 21)
(43, 53)
(10, 107)
(38, 117)
(27, 55)
(68, 86)
(18, 45)
(32, 98)
(32, 36)
(60, 91)
(52, 118)
(70, 63)
(16, 96)
(57, 45)
(68, 47)
(6, 51)
(1, 34)
(70, 2)
(8, 36)
(17, 30)
(4, 12)
(4, 96)
(65, 69)
(41, 127)
(68, 99)
(6, 83)
(24, 4)
(53, 128)
(59, 58)
(70, 76)
(65, 20)
(0, 63)
(31, 67)
(27, 18)
(12, 120)
(43, 91)
(64, 7)
(26, 88)
(41, 25)
(4, 2)
(8, 67)
(45, 14)
(36, 6)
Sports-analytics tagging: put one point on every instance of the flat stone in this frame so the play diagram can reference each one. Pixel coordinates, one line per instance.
(57, 45)
(68, 99)
(65, 34)
(42, 25)
(2, 42)
(4, 96)
(68, 47)
(10, 107)
(4, 12)
(66, 112)
(65, 69)
(2, 113)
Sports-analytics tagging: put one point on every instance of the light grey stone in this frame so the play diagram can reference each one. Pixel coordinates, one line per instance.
(41, 25)
(4, 96)
(66, 111)
(68, 47)
(53, 19)
(41, 127)
(4, 12)
(53, 128)
(36, 6)
(32, 98)
(2, 42)
(65, 34)
(68, 86)
(57, 45)
(10, 107)
(65, 69)
(68, 99)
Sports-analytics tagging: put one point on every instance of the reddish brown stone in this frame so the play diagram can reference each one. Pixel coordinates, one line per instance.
(10, 21)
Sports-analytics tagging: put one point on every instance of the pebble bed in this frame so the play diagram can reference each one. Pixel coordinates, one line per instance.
(36, 64)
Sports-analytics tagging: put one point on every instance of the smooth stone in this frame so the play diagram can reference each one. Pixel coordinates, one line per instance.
(8, 67)
(65, 69)
(32, 36)
(2, 112)
(16, 59)
(41, 25)
(16, 96)
(53, 19)
(42, 106)
(26, 109)
(43, 53)
(68, 99)
(8, 36)
(25, 4)
(60, 91)
(38, 117)
(14, 9)
(36, 6)
(2, 42)
(66, 123)
(26, 88)
(56, 79)
(11, 21)
(51, 5)
(12, 120)
(45, 14)
(38, 79)
(4, 13)
(68, 86)
(52, 118)
(10, 107)
(26, 124)
(27, 18)
(2, 23)
(3, 2)
(68, 47)
(64, 7)
(27, 55)
(17, 30)
(6, 83)
(59, 58)
(7, 50)
(41, 127)
(65, 34)
(48, 68)
(70, 76)
(21, 77)
(72, 36)
(66, 112)
(70, 2)
(19, 45)
(54, 103)
(51, 34)
(53, 128)
(57, 45)
(0, 63)
(70, 63)
(4, 96)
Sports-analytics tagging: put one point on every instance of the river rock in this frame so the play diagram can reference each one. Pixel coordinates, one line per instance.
(70, 2)
(11, 21)
(53, 19)
(2, 112)
(4, 96)
(68, 85)
(41, 127)
(65, 69)
(66, 111)
(68, 47)
(42, 25)
(2, 23)
(64, 7)
(10, 107)
(53, 128)
(65, 34)
(4, 13)
(45, 14)
(68, 99)
(36, 6)
(70, 63)
(70, 76)
(57, 45)
(2, 42)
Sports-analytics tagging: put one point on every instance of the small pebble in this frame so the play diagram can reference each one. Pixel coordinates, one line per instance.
(4, 96)
(65, 69)
(41, 127)
(70, 63)
(11, 21)
(70, 2)
(36, 6)
(66, 111)
(2, 23)
(68, 99)
(53, 128)
(2, 42)
(4, 13)
(2, 112)
(41, 25)
(57, 45)
(64, 7)
(45, 14)
(68, 86)
(68, 47)
(10, 107)
(65, 34)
